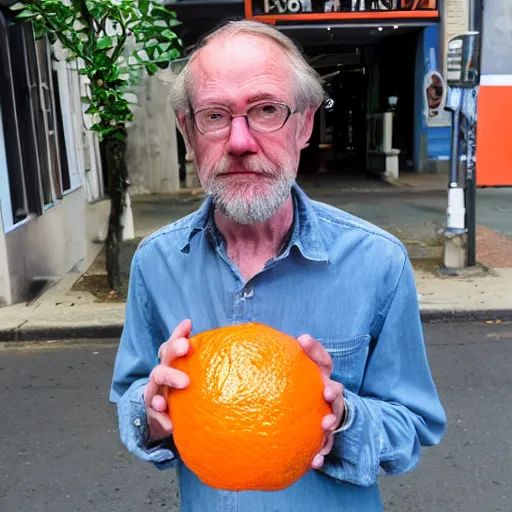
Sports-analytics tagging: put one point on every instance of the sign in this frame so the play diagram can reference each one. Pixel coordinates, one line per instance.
(272, 11)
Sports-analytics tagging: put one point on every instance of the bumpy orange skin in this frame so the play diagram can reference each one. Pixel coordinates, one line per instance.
(251, 418)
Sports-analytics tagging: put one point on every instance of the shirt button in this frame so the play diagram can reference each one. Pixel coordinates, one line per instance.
(248, 293)
(137, 422)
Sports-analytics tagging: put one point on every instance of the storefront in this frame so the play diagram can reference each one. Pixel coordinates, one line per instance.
(373, 56)
(379, 60)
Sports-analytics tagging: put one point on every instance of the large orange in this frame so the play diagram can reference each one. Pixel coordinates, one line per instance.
(251, 418)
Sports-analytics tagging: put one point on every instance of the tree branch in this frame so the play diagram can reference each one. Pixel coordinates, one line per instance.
(121, 40)
(62, 38)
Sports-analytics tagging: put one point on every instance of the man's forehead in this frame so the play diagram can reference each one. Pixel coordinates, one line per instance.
(239, 57)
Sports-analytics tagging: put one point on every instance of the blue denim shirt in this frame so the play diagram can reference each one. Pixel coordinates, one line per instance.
(345, 282)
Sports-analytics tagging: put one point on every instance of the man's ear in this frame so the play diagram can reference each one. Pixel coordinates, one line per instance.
(184, 128)
(306, 127)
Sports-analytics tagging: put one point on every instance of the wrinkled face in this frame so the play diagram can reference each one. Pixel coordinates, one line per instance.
(245, 168)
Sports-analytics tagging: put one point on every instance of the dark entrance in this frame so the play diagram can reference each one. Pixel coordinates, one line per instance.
(363, 83)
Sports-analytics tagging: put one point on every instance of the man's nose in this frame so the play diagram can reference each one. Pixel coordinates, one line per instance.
(241, 140)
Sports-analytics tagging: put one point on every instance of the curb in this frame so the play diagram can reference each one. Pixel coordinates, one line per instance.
(44, 333)
(95, 332)
(431, 316)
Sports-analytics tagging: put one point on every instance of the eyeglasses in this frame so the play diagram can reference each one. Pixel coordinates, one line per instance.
(215, 122)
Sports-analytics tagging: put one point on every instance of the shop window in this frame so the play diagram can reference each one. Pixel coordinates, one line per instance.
(37, 163)
(10, 128)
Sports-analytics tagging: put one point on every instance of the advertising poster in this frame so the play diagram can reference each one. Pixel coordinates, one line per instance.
(311, 9)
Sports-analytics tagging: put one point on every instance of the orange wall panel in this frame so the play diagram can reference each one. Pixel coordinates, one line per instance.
(494, 136)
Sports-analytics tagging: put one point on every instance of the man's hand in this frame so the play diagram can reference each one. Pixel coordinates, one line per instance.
(333, 393)
(164, 377)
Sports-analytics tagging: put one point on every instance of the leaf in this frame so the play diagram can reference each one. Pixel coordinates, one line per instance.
(169, 34)
(105, 43)
(151, 68)
(174, 54)
(93, 109)
(144, 6)
(26, 14)
(163, 47)
(17, 7)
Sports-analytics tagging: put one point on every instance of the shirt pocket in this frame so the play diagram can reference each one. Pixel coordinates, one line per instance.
(349, 359)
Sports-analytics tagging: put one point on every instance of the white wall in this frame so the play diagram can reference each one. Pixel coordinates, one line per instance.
(5, 289)
(152, 146)
(49, 246)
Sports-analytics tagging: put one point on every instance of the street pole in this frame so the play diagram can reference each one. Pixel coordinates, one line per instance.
(463, 72)
(470, 188)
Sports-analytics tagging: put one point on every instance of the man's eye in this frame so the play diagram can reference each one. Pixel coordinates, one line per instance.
(269, 109)
(214, 116)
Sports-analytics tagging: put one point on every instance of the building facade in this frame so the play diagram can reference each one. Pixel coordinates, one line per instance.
(494, 132)
(52, 205)
(382, 62)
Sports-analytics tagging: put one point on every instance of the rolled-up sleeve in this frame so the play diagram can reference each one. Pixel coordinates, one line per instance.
(136, 357)
(397, 409)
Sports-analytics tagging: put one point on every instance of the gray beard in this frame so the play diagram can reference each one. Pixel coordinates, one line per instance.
(260, 208)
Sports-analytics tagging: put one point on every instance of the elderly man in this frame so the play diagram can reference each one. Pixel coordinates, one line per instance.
(259, 249)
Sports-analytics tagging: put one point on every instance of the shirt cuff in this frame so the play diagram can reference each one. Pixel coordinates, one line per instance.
(354, 455)
(347, 416)
(134, 429)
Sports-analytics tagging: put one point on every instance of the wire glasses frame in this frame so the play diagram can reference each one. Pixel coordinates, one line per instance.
(266, 117)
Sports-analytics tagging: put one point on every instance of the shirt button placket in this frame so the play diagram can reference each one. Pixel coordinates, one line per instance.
(247, 304)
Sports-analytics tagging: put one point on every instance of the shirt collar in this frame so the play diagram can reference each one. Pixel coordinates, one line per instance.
(306, 235)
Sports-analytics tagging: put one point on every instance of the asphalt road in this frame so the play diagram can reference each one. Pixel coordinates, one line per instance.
(59, 447)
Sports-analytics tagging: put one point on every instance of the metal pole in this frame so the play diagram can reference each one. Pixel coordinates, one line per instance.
(470, 185)
(470, 190)
(454, 163)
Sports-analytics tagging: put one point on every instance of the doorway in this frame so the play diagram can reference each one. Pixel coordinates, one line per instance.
(338, 142)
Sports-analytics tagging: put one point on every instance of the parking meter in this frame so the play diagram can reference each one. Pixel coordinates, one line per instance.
(463, 63)
(462, 78)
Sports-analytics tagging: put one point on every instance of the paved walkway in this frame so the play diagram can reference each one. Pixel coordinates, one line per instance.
(414, 214)
(62, 313)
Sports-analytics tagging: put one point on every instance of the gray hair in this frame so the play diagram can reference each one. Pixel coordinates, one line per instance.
(309, 92)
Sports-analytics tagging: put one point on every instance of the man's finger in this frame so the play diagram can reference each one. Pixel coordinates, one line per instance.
(318, 461)
(150, 391)
(161, 378)
(182, 330)
(329, 422)
(172, 349)
(333, 390)
(160, 425)
(316, 352)
(159, 403)
(327, 447)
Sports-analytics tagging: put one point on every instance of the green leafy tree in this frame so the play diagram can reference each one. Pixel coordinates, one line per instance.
(113, 42)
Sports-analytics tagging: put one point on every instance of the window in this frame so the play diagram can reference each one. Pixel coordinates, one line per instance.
(11, 131)
(35, 148)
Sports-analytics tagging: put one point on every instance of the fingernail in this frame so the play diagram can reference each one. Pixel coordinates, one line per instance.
(182, 383)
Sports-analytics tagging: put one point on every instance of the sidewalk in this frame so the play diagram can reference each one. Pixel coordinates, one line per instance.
(62, 313)
(415, 217)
